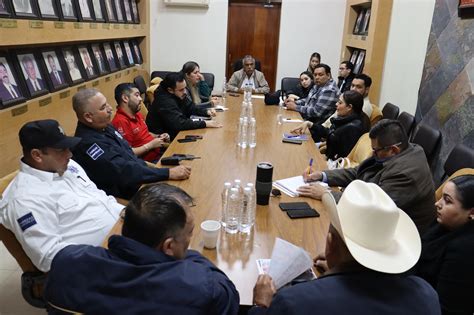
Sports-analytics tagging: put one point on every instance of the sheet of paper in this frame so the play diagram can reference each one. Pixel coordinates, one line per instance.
(291, 184)
(263, 265)
(295, 137)
(220, 107)
(288, 261)
(290, 120)
(258, 96)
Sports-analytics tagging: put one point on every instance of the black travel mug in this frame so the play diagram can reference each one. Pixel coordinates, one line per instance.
(263, 183)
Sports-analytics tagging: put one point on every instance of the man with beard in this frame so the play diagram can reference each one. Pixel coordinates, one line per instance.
(130, 123)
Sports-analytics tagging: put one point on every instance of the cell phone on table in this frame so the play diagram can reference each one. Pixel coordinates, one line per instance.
(294, 141)
(305, 213)
(186, 140)
(285, 206)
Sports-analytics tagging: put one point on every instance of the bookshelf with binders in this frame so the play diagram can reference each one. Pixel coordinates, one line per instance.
(365, 39)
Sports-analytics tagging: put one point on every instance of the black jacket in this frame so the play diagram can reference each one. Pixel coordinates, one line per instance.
(111, 164)
(170, 114)
(341, 136)
(345, 83)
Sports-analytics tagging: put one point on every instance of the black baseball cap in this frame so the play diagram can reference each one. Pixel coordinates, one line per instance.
(45, 134)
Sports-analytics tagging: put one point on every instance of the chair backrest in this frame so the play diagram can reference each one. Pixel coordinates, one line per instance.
(428, 138)
(461, 156)
(390, 111)
(161, 74)
(237, 65)
(289, 85)
(459, 172)
(361, 151)
(139, 82)
(407, 121)
(209, 78)
(376, 115)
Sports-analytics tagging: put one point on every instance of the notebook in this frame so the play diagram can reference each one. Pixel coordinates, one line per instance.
(291, 184)
(295, 137)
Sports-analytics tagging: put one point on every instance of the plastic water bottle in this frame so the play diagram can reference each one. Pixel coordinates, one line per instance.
(245, 223)
(244, 109)
(253, 133)
(252, 201)
(225, 197)
(247, 93)
(244, 132)
(249, 109)
(234, 208)
(224, 93)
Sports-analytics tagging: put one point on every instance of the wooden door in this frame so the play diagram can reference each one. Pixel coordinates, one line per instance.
(254, 29)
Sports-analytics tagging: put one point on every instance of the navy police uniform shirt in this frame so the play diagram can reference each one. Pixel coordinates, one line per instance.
(110, 162)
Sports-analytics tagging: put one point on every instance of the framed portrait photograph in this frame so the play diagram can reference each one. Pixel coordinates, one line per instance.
(11, 91)
(73, 69)
(30, 68)
(358, 23)
(136, 52)
(110, 15)
(55, 69)
(120, 55)
(119, 10)
(5, 8)
(98, 7)
(24, 9)
(128, 54)
(127, 7)
(359, 65)
(136, 17)
(84, 10)
(364, 30)
(99, 59)
(88, 65)
(354, 55)
(48, 9)
(110, 57)
(68, 10)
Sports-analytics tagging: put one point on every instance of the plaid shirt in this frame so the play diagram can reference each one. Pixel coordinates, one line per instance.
(320, 102)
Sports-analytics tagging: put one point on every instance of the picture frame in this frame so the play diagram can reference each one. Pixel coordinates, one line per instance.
(6, 9)
(68, 10)
(48, 9)
(98, 7)
(90, 69)
(466, 9)
(136, 52)
(119, 11)
(99, 58)
(11, 85)
(84, 10)
(365, 25)
(71, 59)
(359, 65)
(110, 15)
(354, 55)
(129, 60)
(33, 76)
(110, 58)
(25, 9)
(120, 56)
(55, 69)
(127, 8)
(358, 23)
(136, 16)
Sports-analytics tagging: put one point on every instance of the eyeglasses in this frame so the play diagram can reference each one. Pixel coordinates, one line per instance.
(376, 150)
(342, 68)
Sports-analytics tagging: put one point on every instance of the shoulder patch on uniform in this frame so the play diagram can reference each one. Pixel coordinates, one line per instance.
(118, 134)
(95, 151)
(26, 221)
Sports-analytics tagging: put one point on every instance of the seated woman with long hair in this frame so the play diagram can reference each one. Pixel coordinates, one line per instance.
(314, 60)
(346, 128)
(447, 255)
(197, 88)
(303, 88)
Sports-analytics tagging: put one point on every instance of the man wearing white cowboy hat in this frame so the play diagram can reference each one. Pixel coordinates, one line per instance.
(370, 243)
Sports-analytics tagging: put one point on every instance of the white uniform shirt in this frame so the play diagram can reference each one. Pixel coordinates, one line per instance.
(48, 212)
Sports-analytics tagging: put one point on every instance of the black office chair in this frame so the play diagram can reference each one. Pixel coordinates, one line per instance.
(209, 78)
(161, 74)
(407, 121)
(237, 65)
(390, 111)
(139, 82)
(461, 156)
(428, 138)
(288, 85)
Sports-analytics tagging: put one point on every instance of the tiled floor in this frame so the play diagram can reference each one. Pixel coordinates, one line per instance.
(11, 301)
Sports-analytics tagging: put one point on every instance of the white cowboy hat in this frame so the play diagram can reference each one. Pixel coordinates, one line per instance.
(378, 234)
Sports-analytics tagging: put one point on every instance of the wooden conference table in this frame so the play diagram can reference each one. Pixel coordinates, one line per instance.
(222, 160)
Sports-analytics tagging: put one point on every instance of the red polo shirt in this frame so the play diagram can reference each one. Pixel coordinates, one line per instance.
(135, 131)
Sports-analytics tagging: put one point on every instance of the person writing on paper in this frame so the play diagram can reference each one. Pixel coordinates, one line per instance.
(171, 110)
(399, 167)
(369, 245)
(447, 256)
(346, 128)
(197, 88)
(146, 270)
(248, 76)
